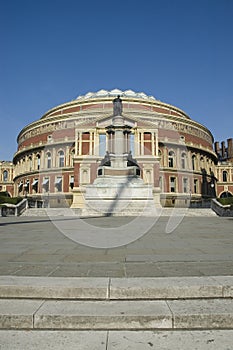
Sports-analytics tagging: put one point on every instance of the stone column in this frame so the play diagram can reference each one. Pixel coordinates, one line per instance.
(111, 147)
(153, 143)
(128, 141)
(42, 159)
(76, 142)
(67, 158)
(118, 125)
(156, 143)
(80, 143)
(137, 143)
(142, 143)
(54, 158)
(91, 144)
(108, 142)
(119, 142)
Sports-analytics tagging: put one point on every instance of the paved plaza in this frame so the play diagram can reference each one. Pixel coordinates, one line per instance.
(36, 246)
(188, 258)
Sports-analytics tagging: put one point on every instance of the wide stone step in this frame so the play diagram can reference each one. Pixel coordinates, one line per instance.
(190, 212)
(101, 288)
(50, 212)
(116, 340)
(116, 315)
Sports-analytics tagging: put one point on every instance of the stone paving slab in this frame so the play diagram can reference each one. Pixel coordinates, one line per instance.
(171, 340)
(36, 247)
(18, 313)
(227, 283)
(116, 288)
(116, 315)
(53, 287)
(103, 315)
(167, 288)
(116, 340)
(53, 340)
(202, 314)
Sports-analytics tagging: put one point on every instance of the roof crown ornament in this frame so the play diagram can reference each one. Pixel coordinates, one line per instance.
(116, 92)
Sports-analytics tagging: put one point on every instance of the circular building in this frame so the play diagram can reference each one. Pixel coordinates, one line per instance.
(59, 154)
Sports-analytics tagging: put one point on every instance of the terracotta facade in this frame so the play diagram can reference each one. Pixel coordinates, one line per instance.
(62, 150)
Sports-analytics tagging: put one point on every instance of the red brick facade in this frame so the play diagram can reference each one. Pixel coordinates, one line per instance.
(65, 146)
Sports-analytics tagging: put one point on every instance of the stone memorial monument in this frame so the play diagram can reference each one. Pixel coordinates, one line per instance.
(118, 189)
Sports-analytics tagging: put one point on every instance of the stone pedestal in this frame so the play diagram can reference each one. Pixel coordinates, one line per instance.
(120, 196)
(78, 198)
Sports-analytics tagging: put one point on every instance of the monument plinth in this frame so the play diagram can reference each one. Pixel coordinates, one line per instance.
(118, 189)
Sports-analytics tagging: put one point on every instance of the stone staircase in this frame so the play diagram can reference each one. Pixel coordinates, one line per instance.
(116, 313)
(51, 212)
(54, 303)
(78, 212)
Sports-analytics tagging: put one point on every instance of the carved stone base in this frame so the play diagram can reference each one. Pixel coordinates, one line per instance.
(78, 198)
(120, 196)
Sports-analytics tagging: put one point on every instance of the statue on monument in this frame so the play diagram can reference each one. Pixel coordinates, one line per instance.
(106, 160)
(117, 106)
(131, 161)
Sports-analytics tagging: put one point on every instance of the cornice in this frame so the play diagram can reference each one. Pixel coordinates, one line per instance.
(99, 100)
(96, 115)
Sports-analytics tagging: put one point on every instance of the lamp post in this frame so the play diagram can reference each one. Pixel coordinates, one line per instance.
(212, 189)
(190, 196)
(48, 201)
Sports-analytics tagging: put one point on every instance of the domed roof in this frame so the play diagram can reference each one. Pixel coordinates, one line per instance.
(116, 92)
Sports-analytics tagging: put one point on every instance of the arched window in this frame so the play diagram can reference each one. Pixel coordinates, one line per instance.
(5, 175)
(185, 185)
(72, 154)
(226, 194)
(30, 162)
(38, 162)
(224, 176)
(183, 160)
(171, 159)
(49, 160)
(202, 165)
(195, 185)
(194, 162)
(61, 159)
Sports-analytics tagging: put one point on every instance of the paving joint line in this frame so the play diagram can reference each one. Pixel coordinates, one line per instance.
(34, 314)
(172, 314)
(107, 340)
(54, 270)
(109, 289)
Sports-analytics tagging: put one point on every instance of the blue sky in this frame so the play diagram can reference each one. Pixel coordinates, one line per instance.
(180, 51)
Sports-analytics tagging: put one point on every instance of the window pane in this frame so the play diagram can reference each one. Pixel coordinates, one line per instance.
(132, 143)
(173, 184)
(102, 145)
(224, 176)
(61, 159)
(5, 176)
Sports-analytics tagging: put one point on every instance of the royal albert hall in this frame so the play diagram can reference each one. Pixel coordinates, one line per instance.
(59, 154)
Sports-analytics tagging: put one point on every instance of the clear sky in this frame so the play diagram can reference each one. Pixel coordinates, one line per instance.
(179, 51)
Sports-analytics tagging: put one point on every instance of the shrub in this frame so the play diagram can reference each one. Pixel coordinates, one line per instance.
(4, 194)
(10, 200)
(226, 201)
